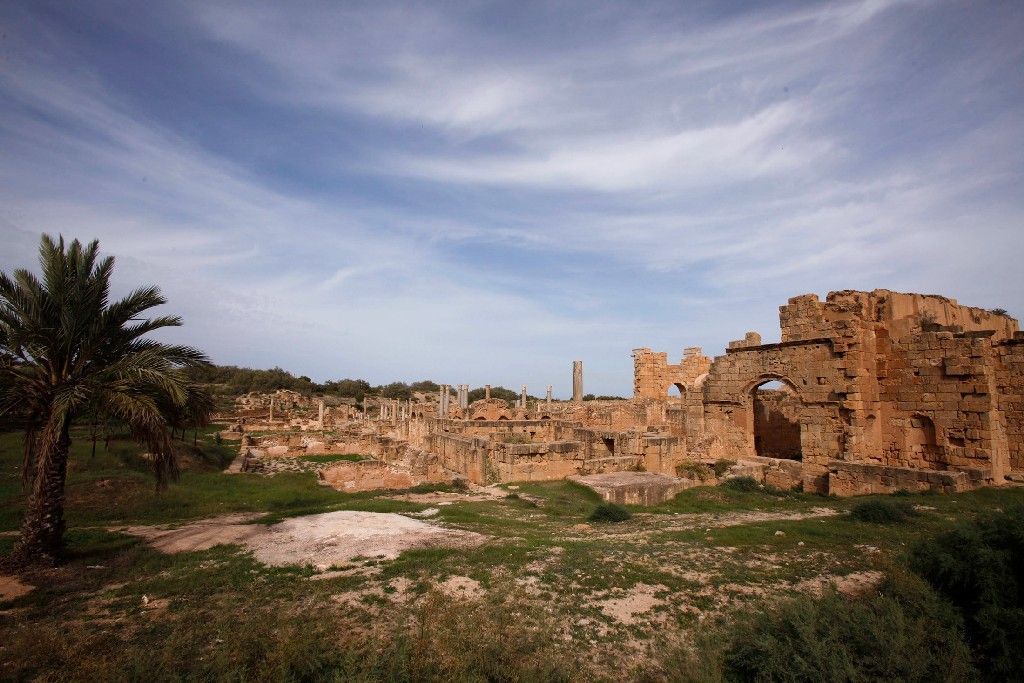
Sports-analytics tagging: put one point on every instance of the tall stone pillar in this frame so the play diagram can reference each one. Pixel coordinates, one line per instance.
(321, 407)
(365, 415)
(464, 402)
(522, 401)
(577, 381)
(271, 408)
(548, 399)
(487, 392)
(444, 401)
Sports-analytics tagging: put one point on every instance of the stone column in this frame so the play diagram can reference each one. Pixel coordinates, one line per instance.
(365, 415)
(321, 408)
(465, 397)
(444, 401)
(577, 381)
(271, 408)
(487, 392)
(523, 399)
(549, 395)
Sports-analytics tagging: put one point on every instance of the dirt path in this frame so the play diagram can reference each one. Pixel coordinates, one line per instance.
(325, 540)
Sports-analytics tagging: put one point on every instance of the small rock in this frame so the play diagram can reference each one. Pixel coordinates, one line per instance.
(145, 600)
(780, 533)
(800, 543)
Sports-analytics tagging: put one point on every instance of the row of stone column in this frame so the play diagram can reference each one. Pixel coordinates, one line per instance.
(462, 391)
(393, 410)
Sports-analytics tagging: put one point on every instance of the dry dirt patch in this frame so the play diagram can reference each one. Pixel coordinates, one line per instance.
(462, 587)
(11, 587)
(199, 535)
(639, 600)
(324, 540)
(850, 585)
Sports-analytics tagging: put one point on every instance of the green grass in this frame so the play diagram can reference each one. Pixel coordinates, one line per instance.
(222, 615)
(883, 511)
(115, 487)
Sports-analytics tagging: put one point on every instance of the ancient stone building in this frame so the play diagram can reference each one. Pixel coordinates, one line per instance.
(865, 392)
(886, 390)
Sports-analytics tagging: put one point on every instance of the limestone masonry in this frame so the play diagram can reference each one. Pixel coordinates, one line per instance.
(866, 392)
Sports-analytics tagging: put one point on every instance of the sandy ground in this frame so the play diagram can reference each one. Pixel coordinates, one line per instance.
(850, 585)
(323, 541)
(639, 600)
(11, 587)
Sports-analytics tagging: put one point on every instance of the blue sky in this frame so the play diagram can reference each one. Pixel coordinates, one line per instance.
(483, 192)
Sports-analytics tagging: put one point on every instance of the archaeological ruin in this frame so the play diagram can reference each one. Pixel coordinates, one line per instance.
(866, 392)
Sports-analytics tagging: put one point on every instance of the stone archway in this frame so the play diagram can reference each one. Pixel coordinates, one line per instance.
(774, 408)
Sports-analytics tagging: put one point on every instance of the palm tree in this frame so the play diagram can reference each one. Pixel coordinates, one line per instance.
(66, 352)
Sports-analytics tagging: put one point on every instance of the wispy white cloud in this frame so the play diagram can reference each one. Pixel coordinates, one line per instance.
(484, 193)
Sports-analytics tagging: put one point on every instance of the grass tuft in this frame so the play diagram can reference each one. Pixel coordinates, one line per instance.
(743, 484)
(609, 512)
(883, 511)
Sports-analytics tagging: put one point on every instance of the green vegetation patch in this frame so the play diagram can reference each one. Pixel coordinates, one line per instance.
(979, 569)
(883, 511)
(609, 512)
(834, 638)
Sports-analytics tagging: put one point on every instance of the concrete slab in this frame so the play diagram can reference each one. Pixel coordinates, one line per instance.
(634, 488)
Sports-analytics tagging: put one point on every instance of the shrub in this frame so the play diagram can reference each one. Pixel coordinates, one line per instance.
(692, 470)
(883, 511)
(902, 632)
(609, 512)
(979, 568)
(744, 484)
(722, 466)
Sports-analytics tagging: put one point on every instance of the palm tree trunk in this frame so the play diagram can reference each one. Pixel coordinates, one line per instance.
(43, 529)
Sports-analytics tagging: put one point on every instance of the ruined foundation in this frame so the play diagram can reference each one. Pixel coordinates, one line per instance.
(866, 392)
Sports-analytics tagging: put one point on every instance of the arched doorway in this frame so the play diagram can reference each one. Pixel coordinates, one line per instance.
(775, 407)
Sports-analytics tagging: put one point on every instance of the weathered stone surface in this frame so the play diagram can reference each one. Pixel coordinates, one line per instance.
(634, 488)
(864, 392)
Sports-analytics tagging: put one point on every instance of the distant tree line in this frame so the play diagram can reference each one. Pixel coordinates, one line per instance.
(230, 380)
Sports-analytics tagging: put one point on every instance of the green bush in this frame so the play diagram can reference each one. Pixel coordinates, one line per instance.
(722, 466)
(979, 568)
(692, 470)
(902, 632)
(744, 484)
(609, 512)
(883, 511)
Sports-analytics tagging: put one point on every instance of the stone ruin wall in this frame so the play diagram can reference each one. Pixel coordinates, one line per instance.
(1009, 378)
(881, 379)
(880, 391)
